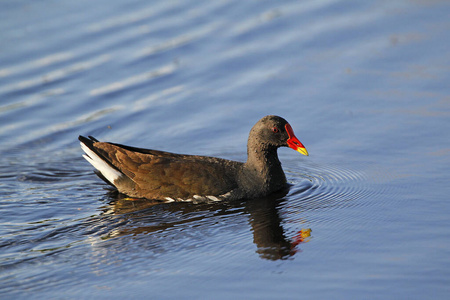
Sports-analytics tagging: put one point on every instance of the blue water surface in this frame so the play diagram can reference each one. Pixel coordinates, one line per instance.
(364, 84)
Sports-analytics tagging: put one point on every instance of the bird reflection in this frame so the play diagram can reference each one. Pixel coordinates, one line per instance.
(268, 233)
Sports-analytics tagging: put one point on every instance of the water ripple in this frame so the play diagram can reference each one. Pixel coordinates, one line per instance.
(134, 80)
(326, 187)
(56, 75)
(38, 63)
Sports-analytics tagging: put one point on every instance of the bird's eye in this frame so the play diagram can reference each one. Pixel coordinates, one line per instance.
(275, 129)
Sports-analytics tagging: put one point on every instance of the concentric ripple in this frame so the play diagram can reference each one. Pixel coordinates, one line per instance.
(327, 186)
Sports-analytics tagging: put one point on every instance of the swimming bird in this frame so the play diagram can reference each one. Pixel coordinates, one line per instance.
(158, 175)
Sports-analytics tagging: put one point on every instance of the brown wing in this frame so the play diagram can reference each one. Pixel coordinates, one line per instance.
(158, 174)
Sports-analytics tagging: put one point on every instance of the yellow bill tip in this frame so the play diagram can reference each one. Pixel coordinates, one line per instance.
(303, 151)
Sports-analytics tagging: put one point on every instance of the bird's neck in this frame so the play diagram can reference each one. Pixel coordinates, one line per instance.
(263, 159)
(262, 172)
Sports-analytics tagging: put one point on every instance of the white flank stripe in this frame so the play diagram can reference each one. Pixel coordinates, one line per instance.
(213, 198)
(202, 199)
(109, 172)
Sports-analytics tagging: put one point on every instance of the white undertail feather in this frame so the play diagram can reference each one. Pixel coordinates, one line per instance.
(109, 172)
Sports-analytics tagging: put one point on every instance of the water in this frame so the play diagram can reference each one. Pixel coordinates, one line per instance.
(364, 85)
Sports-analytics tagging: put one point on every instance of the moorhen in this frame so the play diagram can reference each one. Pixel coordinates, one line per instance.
(158, 175)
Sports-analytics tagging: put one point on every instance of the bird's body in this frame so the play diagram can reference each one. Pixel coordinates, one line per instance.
(152, 174)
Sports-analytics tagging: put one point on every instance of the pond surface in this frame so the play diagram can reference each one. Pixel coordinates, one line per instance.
(364, 84)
